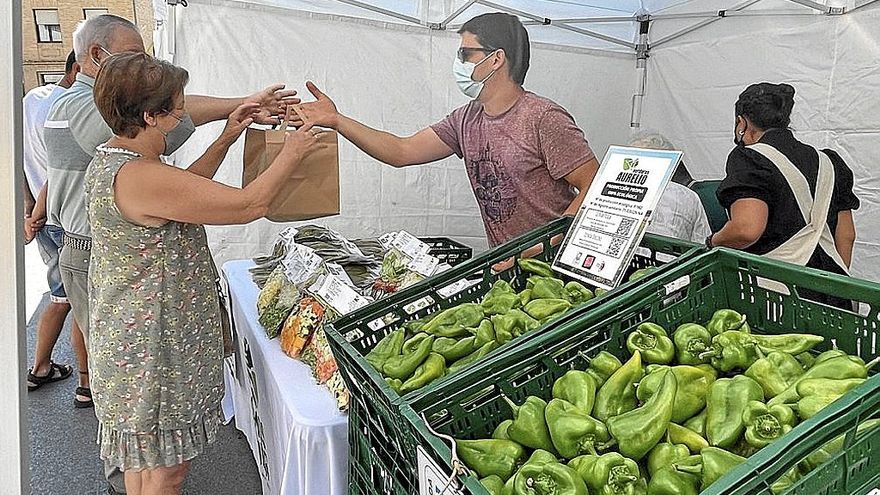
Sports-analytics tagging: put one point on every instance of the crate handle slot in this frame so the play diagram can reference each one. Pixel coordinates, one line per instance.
(458, 469)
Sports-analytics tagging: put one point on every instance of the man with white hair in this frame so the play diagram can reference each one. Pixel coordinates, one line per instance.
(75, 128)
(680, 212)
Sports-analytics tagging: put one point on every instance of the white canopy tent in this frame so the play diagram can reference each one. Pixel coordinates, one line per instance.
(388, 63)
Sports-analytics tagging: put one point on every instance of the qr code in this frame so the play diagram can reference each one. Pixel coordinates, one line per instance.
(616, 245)
(625, 226)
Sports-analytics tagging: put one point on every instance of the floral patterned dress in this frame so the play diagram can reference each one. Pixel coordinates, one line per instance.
(155, 345)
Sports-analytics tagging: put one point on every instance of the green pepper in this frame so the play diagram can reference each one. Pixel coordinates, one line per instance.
(687, 437)
(785, 482)
(666, 454)
(454, 322)
(512, 324)
(390, 345)
(736, 350)
(602, 366)
(413, 342)
(552, 478)
(697, 424)
(724, 320)
(538, 457)
(639, 430)
(473, 357)
(577, 293)
(727, 400)
(484, 333)
(806, 360)
(414, 326)
(765, 424)
(690, 341)
(609, 474)
(673, 480)
(833, 353)
(830, 449)
(500, 299)
(500, 431)
(491, 456)
(693, 386)
(651, 340)
(578, 388)
(618, 394)
(716, 463)
(573, 431)
(546, 288)
(433, 368)
(395, 384)
(529, 426)
(600, 291)
(403, 366)
(775, 372)
(525, 296)
(453, 349)
(839, 367)
(541, 309)
(818, 393)
(493, 484)
(641, 273)
(536, 267)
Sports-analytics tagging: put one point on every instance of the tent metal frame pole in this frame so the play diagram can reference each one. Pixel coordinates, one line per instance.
(550, 22)
(380, 10)
(813, 5)
(858, 5)
(690, 29)
(14, 456)
(728, 13)
(445, 22)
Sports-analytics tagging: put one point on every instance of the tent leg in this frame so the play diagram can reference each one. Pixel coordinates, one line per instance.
(14, 456)
(642, 54)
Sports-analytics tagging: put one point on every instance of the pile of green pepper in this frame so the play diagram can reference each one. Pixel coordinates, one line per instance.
(684, 409)
(422, 351)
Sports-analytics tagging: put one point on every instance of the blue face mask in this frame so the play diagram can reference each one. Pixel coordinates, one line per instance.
(464, 73)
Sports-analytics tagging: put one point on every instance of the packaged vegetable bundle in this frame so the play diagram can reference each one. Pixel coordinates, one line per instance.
(276, 301)
(682, 411)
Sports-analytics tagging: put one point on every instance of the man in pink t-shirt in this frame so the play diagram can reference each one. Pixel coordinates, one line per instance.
(527, 160)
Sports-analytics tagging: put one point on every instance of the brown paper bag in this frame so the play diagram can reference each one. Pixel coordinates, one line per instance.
(313, 189)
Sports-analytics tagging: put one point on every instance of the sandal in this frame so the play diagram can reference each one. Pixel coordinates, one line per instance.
(83, 404)
(56, 373)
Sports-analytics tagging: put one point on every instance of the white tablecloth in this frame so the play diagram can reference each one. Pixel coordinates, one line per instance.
(298, 436)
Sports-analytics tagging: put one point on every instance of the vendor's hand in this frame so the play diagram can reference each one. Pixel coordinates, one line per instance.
(301, 143)
(322, 112)
(238, 121)
(273, 102)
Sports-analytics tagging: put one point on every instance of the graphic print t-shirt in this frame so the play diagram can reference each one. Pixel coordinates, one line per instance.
(517, 161)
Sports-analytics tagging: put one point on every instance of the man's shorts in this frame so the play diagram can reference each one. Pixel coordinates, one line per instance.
(49, 243)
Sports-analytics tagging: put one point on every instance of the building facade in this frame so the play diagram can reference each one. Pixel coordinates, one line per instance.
(47, 32)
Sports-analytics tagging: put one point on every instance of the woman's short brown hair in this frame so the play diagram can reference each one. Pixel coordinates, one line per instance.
(132, 84)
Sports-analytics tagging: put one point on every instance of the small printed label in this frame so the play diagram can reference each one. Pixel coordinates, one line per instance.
(456, 287)
(339, 296)
(418, 305)
(677, 284)
(289, 234)
(432, 479)
(340, 273)
(409, 244)
(382, 322)
(386, 239)
(300, 264)
(424, 264)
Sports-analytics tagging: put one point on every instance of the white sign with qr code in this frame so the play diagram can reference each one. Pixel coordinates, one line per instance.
(432, 479)
(614, 215)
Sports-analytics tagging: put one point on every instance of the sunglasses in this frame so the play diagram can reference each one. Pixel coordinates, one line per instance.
(464, 52)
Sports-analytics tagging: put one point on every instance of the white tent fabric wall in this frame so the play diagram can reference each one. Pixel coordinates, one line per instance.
(694, 81)
(392, 77)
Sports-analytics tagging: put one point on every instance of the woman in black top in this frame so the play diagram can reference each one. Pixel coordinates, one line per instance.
(767, 215)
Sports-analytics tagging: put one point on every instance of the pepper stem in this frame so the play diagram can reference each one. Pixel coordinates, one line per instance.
(708, 354)
(513, 407)
(688, 469)
(742, 322)
(872, 363)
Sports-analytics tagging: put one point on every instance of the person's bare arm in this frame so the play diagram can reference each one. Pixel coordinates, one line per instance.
(748, 221)
(207, 165)
(581, 178)
(272, 101)
(423, 147)
(845, 236)
(35, 221)
(151, 193)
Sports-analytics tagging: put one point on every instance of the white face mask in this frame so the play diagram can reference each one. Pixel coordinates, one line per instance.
(464, 73)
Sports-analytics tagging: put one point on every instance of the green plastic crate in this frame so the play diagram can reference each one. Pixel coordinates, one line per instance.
(374, 405)
(471, 405)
